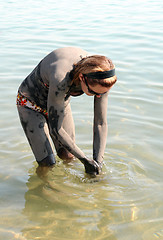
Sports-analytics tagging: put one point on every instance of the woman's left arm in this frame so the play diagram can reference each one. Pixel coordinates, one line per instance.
(100, 127)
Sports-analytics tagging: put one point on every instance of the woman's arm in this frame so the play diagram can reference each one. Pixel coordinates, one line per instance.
(100, 127)
(56, 113)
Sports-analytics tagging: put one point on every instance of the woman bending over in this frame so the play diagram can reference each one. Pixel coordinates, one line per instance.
(43, 103)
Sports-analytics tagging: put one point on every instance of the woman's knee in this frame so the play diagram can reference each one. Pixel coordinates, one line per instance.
(64, 154)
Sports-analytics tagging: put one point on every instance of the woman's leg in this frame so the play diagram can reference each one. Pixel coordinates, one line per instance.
(36, 129)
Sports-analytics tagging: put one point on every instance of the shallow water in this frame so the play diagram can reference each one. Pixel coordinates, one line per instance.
(126, 201)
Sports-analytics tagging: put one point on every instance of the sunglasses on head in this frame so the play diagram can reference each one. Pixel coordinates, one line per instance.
(90, 90)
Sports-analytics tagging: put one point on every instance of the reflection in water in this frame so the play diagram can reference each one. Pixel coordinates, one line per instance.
(65, 202)
(59, 207)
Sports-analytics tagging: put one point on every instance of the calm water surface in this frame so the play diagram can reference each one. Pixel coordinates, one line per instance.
(126, 201)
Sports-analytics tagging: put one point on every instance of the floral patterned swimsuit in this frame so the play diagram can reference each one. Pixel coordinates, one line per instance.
(23, 101)
(26, 102)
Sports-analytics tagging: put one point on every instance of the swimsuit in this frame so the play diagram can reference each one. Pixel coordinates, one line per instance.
(23, 101)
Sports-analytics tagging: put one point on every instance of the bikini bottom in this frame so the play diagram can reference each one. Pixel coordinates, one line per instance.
(24, 101)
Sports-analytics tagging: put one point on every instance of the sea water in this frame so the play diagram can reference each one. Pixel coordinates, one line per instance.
(124, 202)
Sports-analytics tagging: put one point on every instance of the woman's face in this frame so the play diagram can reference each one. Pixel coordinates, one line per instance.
(97, 90)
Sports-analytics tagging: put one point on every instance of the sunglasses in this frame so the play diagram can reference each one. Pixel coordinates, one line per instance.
(90, 90)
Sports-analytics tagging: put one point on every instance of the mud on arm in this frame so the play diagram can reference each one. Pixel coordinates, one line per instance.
(56, 109)
(100, 127)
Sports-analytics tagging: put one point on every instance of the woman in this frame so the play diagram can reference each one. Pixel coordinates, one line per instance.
(43, 103)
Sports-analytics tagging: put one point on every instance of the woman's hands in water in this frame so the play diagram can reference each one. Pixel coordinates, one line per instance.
(92, 167)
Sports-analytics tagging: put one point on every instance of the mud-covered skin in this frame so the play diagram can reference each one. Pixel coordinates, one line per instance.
(37, 132)
(100, 128)
(53, 71)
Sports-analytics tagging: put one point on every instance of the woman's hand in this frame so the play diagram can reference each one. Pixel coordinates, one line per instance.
(92, 167)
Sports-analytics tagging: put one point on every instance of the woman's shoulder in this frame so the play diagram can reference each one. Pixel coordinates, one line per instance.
(65, 53)
(61, 60)
(69, 50)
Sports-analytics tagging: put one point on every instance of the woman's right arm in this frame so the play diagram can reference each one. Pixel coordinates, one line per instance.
(56, 110)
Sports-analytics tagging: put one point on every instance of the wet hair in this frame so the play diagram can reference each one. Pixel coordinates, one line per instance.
(91, 64)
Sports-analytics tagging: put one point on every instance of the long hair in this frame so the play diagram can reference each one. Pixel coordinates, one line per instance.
(94, 63)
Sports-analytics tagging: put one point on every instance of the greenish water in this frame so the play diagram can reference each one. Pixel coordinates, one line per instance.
(126, 201)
